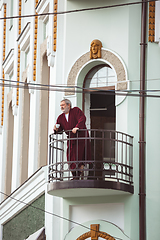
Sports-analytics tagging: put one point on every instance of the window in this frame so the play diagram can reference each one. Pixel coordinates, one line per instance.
(101, 76)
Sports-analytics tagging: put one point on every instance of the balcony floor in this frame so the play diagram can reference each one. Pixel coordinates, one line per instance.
(86, 188)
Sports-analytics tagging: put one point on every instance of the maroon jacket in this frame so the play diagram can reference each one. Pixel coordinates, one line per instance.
(76, 119)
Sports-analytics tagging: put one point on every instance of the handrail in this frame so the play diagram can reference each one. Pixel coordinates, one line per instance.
(110, 157)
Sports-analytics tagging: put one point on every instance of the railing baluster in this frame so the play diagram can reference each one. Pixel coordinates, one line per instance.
(86, 145)
(77, 146)
(69, 149)
(131, 177)
(126, 146)
(62, 166)
(52, 145)
(94, 146)
(50, 150)
(123, 147)
(117, 157)
(122, 157)
(56, 153)
(49, 157)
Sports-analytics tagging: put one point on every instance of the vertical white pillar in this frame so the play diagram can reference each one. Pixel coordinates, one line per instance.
(15, 57)
(16, 151)
(1, 232)
(53, 223)
(32, 156)
(3, 140)
(48, 217)
(33, 128)
(51, 54)
(16, 112)
(1, 39)
(2, 162)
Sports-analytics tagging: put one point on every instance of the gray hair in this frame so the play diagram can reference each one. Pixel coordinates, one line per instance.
(67, 101)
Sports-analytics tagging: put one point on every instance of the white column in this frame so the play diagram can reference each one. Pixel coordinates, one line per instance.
(53, 223)
(32, 20)
(1, 40)
(16, 150)
(3, 141)
(1, 232)
(49, 217)
(2, 163)
(34, 105)
(32, 156)
(16, 112)
(14, 97)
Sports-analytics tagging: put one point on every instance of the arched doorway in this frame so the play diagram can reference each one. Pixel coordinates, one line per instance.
(99, 106)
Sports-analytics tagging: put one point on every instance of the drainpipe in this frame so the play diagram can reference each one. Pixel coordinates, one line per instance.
(142, 182)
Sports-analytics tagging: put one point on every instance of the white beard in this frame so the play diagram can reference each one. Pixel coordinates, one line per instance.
(66, 109)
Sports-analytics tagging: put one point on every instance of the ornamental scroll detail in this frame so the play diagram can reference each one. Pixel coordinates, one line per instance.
(94, 233)
(95, 49)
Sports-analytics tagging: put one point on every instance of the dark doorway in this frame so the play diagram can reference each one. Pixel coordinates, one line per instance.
(102, 111)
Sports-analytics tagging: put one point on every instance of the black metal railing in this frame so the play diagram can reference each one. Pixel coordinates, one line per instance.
(108, 156)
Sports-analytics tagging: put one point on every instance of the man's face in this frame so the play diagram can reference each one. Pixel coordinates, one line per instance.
(64, 107)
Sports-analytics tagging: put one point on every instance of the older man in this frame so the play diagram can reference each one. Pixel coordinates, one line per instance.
(74, 119)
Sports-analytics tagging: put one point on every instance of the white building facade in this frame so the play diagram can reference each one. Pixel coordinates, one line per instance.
(91, 53)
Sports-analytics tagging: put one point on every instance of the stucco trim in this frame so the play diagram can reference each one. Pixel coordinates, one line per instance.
(106, 55)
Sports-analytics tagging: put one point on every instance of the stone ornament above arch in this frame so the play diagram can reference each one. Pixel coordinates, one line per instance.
(106, 55)
(95, 49)
(94, 233)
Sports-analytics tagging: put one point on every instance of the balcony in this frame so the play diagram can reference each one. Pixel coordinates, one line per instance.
(108, 171)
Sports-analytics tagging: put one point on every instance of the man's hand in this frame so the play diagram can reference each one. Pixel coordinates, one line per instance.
(56, 126)
(74, 130)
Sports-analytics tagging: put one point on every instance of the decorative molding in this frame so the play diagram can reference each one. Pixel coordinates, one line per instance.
(3, 2)
(18, 75)
(151, 33)
(35, 43)
(51, 60)
(24, 38)
(95, 234)
(4, 48)
(95, 49)
(18, 63)
(15, 110)
(42, 7)
(55, 27)
(9, 62)
(106, 55)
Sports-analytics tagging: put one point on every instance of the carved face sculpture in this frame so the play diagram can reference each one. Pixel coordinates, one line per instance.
(95, 49)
